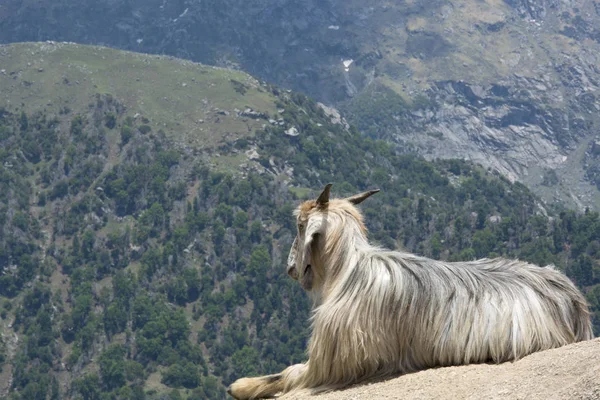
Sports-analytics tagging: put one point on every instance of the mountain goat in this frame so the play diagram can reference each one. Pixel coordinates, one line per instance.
(379, 312)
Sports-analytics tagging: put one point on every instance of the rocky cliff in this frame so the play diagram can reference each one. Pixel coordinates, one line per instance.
(569, 372)
(510, 84)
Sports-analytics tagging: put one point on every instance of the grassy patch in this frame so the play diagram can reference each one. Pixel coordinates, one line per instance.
(190, 101)
(300, 192)
(228, 163)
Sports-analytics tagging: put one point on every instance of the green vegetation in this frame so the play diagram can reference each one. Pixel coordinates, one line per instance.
(379, 109)
(131, 268)
(174, 94)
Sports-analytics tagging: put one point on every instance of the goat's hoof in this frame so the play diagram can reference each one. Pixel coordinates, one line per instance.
(242, 389)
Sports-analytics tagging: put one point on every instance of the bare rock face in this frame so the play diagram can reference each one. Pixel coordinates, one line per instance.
(569, 372)
(510, 84)
(520, 127)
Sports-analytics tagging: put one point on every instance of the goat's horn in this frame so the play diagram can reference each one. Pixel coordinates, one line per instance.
(324, 196)
(359, 198)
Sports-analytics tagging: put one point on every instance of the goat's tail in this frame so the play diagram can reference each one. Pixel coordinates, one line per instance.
(582, 327)
(579, 319)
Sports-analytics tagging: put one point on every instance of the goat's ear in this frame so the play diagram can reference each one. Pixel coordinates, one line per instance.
(359, 198)
(323, 199)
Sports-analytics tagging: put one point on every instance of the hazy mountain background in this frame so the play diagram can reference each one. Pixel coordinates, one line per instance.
(508, 84)
(145, 200)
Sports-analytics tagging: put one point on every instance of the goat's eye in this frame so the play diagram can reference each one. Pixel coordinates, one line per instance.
(301, 227)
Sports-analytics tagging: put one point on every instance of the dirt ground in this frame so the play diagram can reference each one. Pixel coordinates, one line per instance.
(571, 372)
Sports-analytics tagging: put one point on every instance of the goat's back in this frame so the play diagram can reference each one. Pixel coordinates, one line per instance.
(400, 312)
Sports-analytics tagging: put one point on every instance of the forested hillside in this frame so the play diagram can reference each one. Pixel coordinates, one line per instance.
(140, 259)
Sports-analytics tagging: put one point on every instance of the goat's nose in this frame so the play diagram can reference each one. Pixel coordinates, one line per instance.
(229, 390)
(293, 273)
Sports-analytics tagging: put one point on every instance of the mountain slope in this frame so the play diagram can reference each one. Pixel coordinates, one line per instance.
(205, 104)
(569, 372)
(140, 258)
(509, 84)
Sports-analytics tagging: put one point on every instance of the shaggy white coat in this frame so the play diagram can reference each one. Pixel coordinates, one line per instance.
(379, 312)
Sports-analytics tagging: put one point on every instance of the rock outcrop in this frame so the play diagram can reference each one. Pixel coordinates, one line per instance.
(571, 372)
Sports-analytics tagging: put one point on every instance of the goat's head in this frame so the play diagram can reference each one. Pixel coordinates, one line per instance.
(320, 222)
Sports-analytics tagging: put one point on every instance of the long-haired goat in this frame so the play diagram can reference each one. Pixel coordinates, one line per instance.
(379, 312)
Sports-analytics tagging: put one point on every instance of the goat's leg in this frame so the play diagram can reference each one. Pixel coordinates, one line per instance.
(267, 386)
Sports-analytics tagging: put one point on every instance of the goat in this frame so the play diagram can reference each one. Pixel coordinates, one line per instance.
(378, 312)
